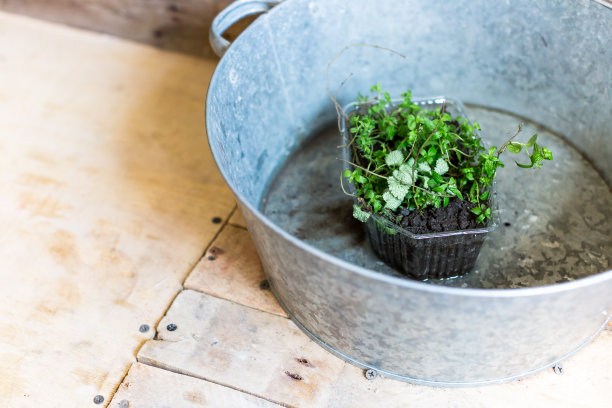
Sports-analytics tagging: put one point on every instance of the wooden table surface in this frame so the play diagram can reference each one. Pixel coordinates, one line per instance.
(114, 216)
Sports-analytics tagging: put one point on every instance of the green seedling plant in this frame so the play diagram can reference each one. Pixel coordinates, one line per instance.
(408, 157)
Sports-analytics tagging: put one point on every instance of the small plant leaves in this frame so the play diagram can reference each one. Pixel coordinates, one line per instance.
(359, 214)
(476, 210)
(441, 166)
(514, 147)
(398, 189)
(532, 140)
(424, 167)
(403, 175)
(407, 156)
(394, 158)
(392, 203)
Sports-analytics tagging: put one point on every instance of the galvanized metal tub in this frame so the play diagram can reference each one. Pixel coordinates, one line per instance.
(546, 61)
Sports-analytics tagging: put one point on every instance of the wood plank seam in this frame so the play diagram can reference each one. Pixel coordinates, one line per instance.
(193, 375)
(156, 323)
(238, 226)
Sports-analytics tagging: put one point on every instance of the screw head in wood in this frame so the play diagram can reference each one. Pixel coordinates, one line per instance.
(98, 399)
(558, 369)
(171, 327)
(370, 374)
(143, 328)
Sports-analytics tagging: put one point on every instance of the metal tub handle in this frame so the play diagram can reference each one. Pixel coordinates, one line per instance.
(233, 13)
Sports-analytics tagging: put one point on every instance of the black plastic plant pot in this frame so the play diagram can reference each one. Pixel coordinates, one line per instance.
(426, 256)
(435, 255)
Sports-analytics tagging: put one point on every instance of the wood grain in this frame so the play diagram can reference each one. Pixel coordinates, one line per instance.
(178, 25)
(267, 355)
(107, 192)
(230, 269)
(150, 387)
(250, 350)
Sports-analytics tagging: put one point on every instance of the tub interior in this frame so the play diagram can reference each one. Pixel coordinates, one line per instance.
(545, 64)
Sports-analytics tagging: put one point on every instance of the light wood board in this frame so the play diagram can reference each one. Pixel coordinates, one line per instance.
(107, 192)
(266, 355)
(230, 269)
(150, 387)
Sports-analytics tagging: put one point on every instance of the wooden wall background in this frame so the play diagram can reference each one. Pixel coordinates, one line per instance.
(178, 25)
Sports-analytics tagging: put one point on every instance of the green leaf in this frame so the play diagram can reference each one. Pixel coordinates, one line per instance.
(359, 214)
(437, 177)
(403, 174)
(514, 147)
(524, 166)
(547, 153)
(441, 166)
(394, 158)
(377, 205)
(455, 191)
(424, 167)
(398, 189)
(361, 179)
(484, 195)
(347, 173)
(531, 141)
(446, 201)
(411, 121)
(392, 203)
(476, 210)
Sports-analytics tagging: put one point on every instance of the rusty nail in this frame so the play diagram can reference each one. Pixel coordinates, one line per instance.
(558, 369)
(98, 399)
(171, 327)
(370, 374)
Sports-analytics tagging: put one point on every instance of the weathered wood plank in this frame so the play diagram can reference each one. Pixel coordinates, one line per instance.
(150, 387)
(260, 353)
(178, 25)
(230, 269)
(107, 194)
(250, 350)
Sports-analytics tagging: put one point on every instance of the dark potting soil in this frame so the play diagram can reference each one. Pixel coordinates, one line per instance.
(455, 216)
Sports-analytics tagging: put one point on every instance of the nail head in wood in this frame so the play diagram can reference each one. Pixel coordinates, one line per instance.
(98, 399)
(171, 327)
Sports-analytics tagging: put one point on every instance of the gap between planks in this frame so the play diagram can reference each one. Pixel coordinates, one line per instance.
(156, 324)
